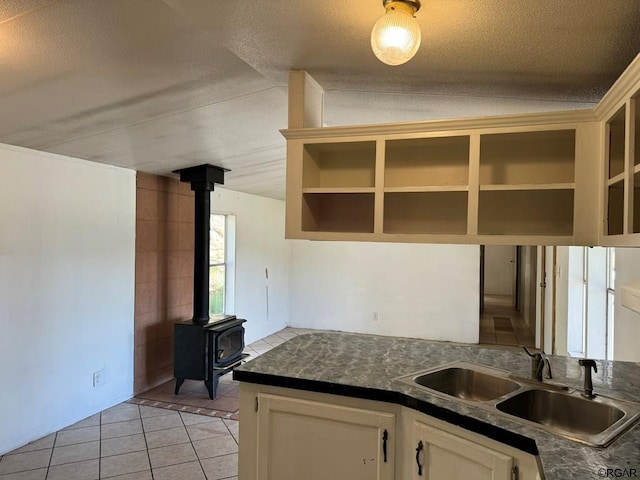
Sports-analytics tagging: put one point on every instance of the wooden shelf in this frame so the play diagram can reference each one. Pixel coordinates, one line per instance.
(540, 157)
(443, 188)
(435, 161)
(617, 179)
(338, 190)
(528, 186)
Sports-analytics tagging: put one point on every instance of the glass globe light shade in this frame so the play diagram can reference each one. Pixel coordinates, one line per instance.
(395, 37)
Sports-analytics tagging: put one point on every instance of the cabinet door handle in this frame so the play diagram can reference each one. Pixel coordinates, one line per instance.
(385, 437)
(419, 448)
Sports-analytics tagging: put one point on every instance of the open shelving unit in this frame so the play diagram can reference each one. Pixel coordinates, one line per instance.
(449, 186)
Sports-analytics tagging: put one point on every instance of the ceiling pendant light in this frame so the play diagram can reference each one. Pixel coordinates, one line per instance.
(395, 37)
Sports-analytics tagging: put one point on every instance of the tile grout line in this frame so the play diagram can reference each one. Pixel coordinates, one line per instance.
(146, 444)
(192, 446)
(55, 439)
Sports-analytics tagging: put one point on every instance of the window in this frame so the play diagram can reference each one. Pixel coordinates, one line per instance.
(221, 262)
(591, 302)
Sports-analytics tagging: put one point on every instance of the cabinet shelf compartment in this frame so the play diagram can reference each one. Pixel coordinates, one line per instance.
(616, 143)
(427, 162)
(526, 212)
(544, 157)
(349, 164)
(426, 213)
(338, 212)
(615, 209)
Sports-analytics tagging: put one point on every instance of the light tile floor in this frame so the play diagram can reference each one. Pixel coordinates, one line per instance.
(139, 442)
(501, 324)
(131, 442)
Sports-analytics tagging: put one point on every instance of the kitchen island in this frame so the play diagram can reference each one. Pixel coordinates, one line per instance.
(350, 370)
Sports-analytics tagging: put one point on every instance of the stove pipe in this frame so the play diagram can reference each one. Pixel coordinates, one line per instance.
(202, 179)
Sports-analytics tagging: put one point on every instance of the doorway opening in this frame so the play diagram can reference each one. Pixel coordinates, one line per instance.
(508, 295)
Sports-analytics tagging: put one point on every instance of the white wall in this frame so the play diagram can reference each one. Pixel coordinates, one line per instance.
(626, 322)
(260, 245)
(424, 291)
(66, 291)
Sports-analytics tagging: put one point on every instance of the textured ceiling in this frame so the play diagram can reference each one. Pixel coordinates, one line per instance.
(158, 85)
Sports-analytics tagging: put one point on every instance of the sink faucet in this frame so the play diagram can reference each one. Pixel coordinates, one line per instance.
(538, 360)
(587, 363)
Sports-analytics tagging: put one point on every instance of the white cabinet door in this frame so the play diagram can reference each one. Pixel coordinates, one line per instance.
(306, 440)
(440, 455)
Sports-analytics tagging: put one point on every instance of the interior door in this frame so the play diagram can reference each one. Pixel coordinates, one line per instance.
(500, 271)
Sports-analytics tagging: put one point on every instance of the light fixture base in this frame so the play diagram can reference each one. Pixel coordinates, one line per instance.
(415, 4)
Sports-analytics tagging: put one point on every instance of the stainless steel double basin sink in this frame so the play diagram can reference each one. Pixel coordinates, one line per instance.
(550, 407)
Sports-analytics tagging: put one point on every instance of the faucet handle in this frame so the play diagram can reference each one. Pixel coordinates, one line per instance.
(532, 355)
(545, 359)
(588, 363)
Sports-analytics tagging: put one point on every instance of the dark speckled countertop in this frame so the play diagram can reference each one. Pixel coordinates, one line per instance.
(366, 366)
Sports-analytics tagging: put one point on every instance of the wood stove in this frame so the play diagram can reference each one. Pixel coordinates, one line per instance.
(206, 352)
(205, 348)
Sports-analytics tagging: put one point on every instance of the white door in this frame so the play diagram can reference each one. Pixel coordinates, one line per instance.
(499, 270)
(306, 440)
(440, 455)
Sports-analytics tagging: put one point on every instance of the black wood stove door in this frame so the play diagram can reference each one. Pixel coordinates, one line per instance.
(229, 345)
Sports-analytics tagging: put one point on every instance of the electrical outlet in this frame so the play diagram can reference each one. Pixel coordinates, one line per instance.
(375, 316)
(97, 378)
